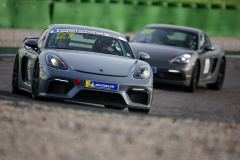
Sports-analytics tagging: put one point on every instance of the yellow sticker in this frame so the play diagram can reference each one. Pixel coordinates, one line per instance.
(62, 35)
(88, 83)
(148, 31)
(128, 55)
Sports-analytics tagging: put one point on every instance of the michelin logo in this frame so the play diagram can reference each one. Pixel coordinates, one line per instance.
(91, 84)
(101, 85)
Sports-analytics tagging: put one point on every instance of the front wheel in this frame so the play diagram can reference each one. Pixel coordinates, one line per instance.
(220, 78)
(141, 111)
(194, 79)
(35, 81)
(15, 89)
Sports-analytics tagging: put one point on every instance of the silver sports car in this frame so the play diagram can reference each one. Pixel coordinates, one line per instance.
(181, 55)
(85, 64)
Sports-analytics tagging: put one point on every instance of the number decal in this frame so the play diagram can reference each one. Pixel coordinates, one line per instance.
(207, 66)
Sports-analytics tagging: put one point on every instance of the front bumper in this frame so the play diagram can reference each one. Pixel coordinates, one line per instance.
(173, 76)
(133, 93)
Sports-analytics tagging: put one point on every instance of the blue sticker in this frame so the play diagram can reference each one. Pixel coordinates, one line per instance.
(154, 69)
(52, 46)
(101, 85)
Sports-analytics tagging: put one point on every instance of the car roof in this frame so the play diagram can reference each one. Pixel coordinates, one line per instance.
(183, 28)
(79, 27)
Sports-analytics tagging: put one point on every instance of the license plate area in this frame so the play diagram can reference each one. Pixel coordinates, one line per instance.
(101, 85)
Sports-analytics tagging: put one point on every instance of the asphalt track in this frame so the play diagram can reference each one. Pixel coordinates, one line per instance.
(168, 100)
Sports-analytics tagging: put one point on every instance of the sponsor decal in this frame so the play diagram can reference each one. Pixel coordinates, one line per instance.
(54, 31)
(101, 85)
(65, 35)
(154, 69)
(70, 32)
(148, 31)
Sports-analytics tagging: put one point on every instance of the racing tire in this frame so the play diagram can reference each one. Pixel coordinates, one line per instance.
(140, 111)
(15, 89)
(220, 78)
(35, 82)
(113, 107)
(194, 79)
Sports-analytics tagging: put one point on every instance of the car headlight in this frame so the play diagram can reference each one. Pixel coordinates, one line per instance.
(54, 61)
(185, 58)
(143, 72)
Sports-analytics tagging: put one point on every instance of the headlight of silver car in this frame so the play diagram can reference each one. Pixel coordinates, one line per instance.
(143, 72)
(185, 58)
(54, 61)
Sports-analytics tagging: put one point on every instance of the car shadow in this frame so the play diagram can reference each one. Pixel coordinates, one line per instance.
(174, 87)
(50, 102)
(168, 87)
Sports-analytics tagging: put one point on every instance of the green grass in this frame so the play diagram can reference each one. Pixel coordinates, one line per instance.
(8, 50)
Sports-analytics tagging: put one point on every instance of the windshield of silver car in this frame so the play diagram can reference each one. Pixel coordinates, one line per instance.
(166, 36)
(89, 41)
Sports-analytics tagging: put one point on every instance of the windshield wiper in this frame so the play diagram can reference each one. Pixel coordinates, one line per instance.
(142, 41)
(66, 48)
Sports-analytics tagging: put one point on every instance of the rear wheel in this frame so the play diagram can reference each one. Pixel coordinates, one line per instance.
(113, 107)
(141, 111)
(220, 78)
(194, 79)
(15, 89)
(35, 81)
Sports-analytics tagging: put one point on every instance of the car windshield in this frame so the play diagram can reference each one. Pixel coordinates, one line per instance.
(165, 36)
(89, 41)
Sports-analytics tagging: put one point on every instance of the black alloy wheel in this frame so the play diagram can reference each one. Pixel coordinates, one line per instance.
(35, 81)
(113, 107)
(220, 78)
(15, 89)
(139, 111)
(194, 79)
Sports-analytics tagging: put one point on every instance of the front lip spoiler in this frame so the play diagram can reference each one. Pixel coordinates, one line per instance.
(100, 74)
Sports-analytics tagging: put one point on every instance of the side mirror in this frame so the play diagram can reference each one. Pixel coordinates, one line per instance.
(32, 43)
(128, 38)
(143, 56)
(208, 47)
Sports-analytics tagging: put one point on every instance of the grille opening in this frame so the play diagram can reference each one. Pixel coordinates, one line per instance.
(201, 6)
(99, 1)
(186, 5)
(128, 2)
(157, 3)
(70, 0)
(231, 7)
(142, 3)
(85, 1)
(169, 76)
(171, 5)
(99, 97)
(216, 6)
(59, 87)
(138, 97)
(114, 1)
(214, 64)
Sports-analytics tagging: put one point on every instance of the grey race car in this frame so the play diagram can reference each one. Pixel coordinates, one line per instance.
(181, 55)
(85, 64)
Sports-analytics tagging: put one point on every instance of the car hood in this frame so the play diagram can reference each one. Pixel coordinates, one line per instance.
(158, 53)
(91, 62)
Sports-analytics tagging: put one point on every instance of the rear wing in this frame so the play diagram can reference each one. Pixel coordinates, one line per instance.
(31, 37)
